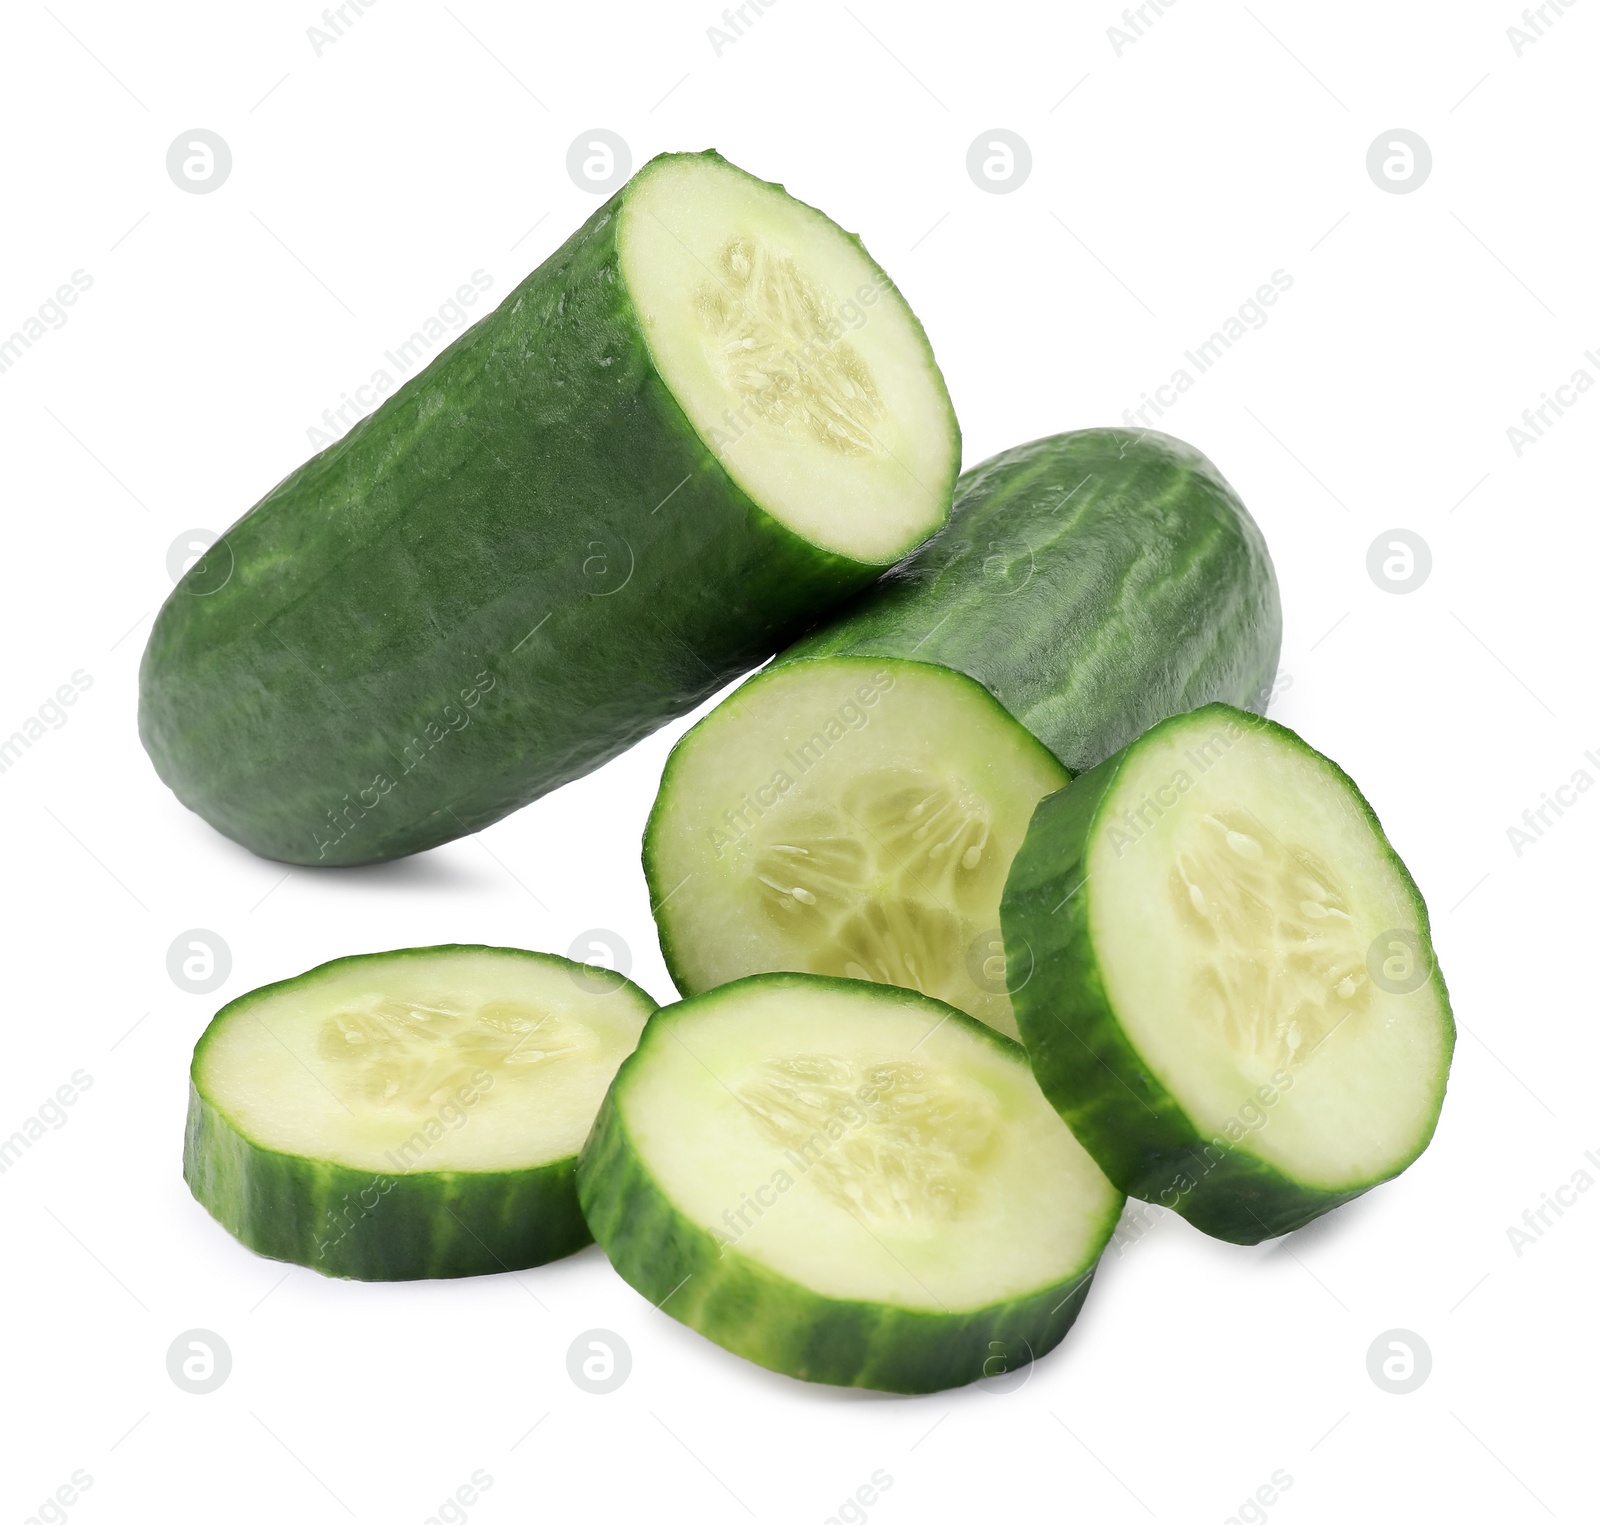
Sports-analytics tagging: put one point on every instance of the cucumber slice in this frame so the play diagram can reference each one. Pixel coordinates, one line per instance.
(410, 1114)
(845, 1182)
(703, 421)
(1235, 1002)
(847, 817)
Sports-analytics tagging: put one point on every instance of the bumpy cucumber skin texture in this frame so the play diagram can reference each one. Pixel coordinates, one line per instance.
(763, 1316)
(1133, 1126)
(1094, 582)
(370, 1226)
(369, 681)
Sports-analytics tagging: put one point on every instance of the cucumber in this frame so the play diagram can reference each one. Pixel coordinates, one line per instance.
(847, 1183)
(854, 809)
(1094, 582)
(1235, 1002)
(700, 423)
(412, 1114)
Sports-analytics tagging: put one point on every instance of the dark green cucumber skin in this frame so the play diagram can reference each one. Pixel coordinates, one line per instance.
(1094, 582)
(366, 1225)
(756, 1313)
(523, 562)
(1136, 1130)
(371, 1226)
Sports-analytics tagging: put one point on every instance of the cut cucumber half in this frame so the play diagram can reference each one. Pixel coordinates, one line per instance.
(845, 1182)
(1234, 1001)
(848, 817)
(411, 1114)
(702, 422)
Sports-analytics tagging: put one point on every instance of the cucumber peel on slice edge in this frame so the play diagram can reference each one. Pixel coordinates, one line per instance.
(847, 1183)
(418, 1113)
(847, 816)
(1235, 1002)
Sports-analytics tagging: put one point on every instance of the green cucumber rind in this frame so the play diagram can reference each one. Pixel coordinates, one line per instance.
(1095, 582)
(368, 1226)
(765, 1317)
(1135, 1129)
(661, 892)
(367, 681)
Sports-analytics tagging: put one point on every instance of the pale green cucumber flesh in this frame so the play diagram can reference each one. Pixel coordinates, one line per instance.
(1235, 1001)
(846, 817)
(408, 1114)
(846, 1182)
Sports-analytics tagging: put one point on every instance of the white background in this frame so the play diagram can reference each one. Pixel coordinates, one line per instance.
(1168, 182)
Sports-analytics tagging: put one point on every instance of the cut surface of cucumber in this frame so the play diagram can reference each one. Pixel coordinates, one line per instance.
(849, 817)
(408, 1114)
(847, 1182)
(1234, 1001)
(702, 422)
(792, 356)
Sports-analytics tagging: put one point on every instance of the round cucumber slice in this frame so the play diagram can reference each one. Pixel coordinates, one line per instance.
(849, 817)
(410, 1114)
(1235, 1002)
(845, 1182)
